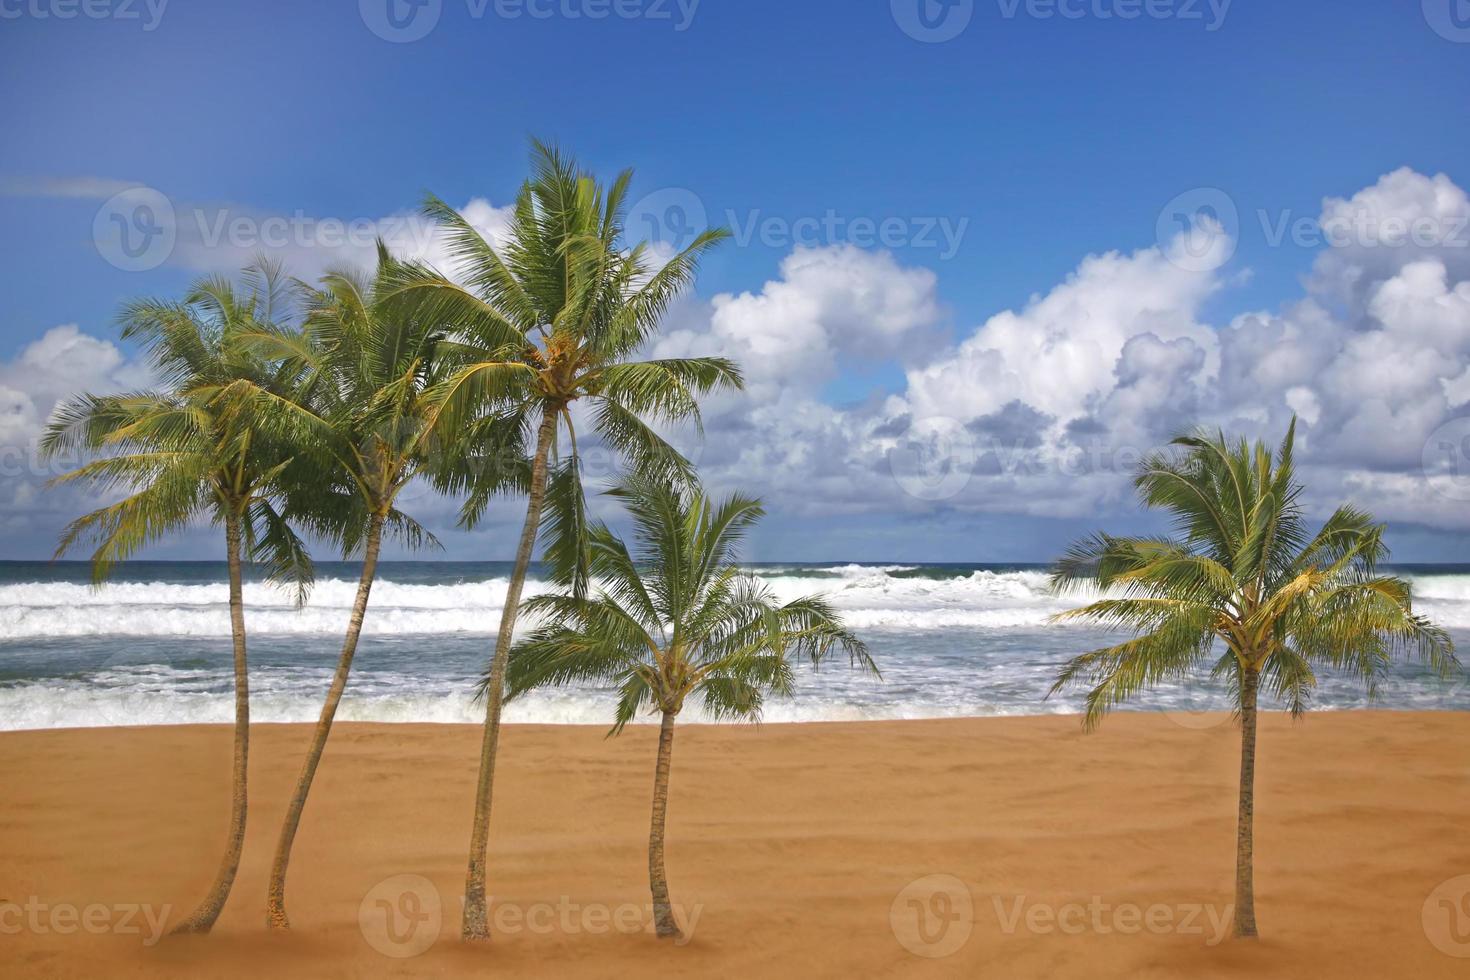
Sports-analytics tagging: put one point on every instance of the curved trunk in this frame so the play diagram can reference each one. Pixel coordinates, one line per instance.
(475, 924)
(276, 896)
(203, 918)
(1245, 888)
(663, 909)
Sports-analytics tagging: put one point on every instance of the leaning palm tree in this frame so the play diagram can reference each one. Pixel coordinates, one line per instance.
(676, 621)
(551, 319)
(364, 363)
(1244, 573)
(190, 452)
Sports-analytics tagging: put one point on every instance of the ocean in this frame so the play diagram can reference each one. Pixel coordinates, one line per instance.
(152, 647)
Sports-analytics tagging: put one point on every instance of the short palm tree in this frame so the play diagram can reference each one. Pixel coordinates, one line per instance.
(359, 410)
(189, 452)
(676, 621)
(1244, 573)
(553, 319)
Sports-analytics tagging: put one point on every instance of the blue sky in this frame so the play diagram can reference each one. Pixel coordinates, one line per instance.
(1045, 138)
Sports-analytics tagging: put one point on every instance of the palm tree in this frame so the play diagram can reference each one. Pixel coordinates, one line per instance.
(365, 363)
(1243, 572)
(189, 452)
(678, 620)
(552, 319)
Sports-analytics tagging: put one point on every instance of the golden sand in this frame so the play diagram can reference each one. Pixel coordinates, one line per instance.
(1015, 847)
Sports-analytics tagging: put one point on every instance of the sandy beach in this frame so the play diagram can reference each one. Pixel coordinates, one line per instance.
(1016, 847)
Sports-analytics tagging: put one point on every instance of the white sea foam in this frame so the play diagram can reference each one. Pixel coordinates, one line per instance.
(869, 597)
(162, 696)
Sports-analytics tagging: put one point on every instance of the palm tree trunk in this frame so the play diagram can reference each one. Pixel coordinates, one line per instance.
(475, 926)
(663, 909)
(203, 918)
(1245, 888)
(276, 895)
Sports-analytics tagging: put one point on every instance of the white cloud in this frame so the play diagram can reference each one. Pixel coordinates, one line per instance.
(829, 305)
(62, 362)
(1060, 353)
(1404, 217)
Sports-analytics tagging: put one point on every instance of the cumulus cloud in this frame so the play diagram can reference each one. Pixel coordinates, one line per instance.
(63, 361)
(828, 305)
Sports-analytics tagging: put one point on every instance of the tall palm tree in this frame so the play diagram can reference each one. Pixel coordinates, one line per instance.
(552, 319)
(1244, 572)
(189, 452)
(677, 620)
(365, 363)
